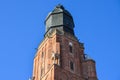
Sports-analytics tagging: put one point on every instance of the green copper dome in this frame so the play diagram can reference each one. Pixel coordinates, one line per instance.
(59, 19)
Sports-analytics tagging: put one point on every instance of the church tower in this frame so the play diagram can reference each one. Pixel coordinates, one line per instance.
(60, 56)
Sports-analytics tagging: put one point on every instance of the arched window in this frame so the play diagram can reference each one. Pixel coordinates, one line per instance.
(71, 65)
(42, 55)
(70, 47)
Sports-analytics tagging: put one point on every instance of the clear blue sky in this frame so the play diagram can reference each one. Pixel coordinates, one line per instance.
(97, 24)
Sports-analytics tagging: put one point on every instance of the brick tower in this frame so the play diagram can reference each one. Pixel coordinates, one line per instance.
(60, 56)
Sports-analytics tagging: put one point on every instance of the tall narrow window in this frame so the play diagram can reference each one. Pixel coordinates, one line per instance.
(71, 65)
(70, 48)
(42, 55)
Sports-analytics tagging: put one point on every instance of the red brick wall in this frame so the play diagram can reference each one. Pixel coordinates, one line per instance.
(59, 44)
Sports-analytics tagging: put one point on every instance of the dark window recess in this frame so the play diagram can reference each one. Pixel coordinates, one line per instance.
(70, 48)
(71, 66)
(41, 72)
(42, 55)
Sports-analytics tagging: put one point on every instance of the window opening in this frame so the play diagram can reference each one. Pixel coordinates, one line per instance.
(71, 65)
(42, 55)
(70, 48)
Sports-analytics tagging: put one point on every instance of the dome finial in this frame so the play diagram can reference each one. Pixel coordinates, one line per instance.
(60, 6)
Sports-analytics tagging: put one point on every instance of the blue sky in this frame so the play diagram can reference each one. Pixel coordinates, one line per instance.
(97, 25)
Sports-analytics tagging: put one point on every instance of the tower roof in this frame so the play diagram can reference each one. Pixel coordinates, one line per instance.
(59, 18)
(59, 9)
